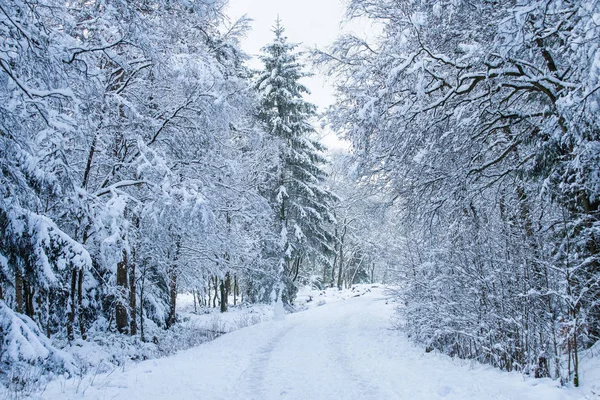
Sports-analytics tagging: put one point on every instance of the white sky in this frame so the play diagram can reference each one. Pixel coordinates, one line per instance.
(309, 23)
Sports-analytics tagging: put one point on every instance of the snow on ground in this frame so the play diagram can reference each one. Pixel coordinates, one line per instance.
(343, 349)
(213, 320)
(244, 314)
(590, 372)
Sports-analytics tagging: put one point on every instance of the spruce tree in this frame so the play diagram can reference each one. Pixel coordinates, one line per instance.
(299, 200)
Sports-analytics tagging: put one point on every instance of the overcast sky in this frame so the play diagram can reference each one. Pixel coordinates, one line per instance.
(309, 23)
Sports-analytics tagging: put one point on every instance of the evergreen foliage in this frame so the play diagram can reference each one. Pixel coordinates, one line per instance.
(296, 188)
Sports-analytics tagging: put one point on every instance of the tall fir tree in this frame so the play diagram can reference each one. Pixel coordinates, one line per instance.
(298, 197)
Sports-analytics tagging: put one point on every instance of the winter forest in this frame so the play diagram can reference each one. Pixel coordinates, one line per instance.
(155, 185)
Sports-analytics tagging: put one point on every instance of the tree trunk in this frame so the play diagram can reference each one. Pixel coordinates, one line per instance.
(209, 292)
(73, 307)
(592, 211)
(29, 294)
(372, 273)
(173, 286)
(235, 289)
(351, 280)
(18, 291)
(216, 287)
(132, 301)
(122, 317)
(195, 307)
(575, 360)
(88, 166)
(227, 287)
(340, 279)
(296, 268)
(335, 256)
(80, 305)
(172, 297)
(341, 268)
(223, 291)
(141, 310)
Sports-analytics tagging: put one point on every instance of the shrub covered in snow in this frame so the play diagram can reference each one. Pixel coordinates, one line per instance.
(26, 352)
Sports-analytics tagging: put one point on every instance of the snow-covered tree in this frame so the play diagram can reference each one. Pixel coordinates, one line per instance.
(478, 117)
(298, 197)
(365, 230)
(130, 163)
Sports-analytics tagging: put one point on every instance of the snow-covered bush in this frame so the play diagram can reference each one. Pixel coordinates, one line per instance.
(26, 354)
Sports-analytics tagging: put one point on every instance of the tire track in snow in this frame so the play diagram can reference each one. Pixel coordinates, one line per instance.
(254, 376)
(365, 386)
(353, 329)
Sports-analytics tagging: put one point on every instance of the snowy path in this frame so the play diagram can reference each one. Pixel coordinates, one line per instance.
(343, 350)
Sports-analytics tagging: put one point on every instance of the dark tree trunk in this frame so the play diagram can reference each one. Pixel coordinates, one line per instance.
(88, 166)
(141, 310)
(341, 262)
(209, 293)
(575, 362)
(223, 291)
(122, 317)
(29, 294)
(132, 301)
(80, 305)
(297, 263)
(173, 297)
(18, 291)
(216, 288)
(235, 289)
(373, 273)
(335, 256)
(227, 286)
(73, 307)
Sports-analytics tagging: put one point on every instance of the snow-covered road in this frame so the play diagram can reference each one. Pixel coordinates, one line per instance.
(344, 350)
